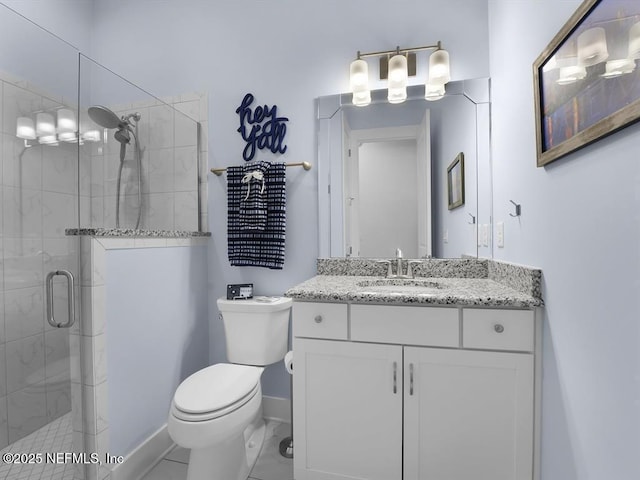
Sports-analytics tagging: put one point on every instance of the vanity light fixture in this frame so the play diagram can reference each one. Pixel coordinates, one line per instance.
(25, 128)
(571, 74)
(433, 92)
(66, 121)
(91, 136)
(45, 125)
(359, 80)
(634, 41)
(48, 140)
(67, 125)
(49, 132)
(396, 66)
(398, 76)
(592, 47)
(616, 68)
(439, 72)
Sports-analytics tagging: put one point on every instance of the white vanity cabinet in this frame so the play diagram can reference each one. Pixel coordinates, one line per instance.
(389, 392)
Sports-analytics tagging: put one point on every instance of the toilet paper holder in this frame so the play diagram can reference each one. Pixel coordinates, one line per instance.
(286, 444)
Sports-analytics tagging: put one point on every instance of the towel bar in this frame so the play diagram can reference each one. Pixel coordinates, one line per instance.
(305, 165)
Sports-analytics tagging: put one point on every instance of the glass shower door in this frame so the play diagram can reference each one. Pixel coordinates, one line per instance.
(39, 264)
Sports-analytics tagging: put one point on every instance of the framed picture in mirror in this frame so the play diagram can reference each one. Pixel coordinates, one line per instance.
(455, 182)
(586, 82)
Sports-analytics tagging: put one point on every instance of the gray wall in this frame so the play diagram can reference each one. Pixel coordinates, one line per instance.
(71, 20)
(157, 334)
(580, 224)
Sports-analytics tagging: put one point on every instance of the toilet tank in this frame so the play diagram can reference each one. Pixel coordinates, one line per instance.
(256, 329)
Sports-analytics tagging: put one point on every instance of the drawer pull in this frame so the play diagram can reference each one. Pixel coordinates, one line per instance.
(395, 377)
(498, 328)
(318, 319)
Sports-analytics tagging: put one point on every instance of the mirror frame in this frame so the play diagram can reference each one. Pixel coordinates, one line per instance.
(329, 162)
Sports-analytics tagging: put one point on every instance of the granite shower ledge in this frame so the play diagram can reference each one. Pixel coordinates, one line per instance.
(454, 291)
(133, 233)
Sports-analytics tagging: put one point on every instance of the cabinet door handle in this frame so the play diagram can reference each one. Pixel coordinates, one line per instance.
(318, 319)
(411, 379)
(498, 328)
(395, 377)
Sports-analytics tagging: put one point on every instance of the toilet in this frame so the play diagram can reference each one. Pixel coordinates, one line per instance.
(217, 411)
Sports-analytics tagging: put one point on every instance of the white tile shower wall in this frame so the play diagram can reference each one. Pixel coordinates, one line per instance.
(171, 180)
(38, 192)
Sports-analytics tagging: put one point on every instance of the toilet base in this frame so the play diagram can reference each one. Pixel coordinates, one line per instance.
(254, 440)
(232, 459)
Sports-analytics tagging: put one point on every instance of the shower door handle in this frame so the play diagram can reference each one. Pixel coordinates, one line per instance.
(70, 299)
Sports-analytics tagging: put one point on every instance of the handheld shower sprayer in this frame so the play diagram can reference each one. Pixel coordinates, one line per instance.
(125, 128)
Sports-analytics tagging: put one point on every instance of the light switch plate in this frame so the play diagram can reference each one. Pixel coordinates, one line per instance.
(445, 237)
(500, 234)
(485, 235)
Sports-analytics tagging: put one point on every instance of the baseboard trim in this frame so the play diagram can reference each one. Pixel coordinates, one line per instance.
(276, 408)
(139, 462)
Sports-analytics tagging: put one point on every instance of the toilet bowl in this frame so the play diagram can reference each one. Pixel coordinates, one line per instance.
(217, 411)
(209, 414)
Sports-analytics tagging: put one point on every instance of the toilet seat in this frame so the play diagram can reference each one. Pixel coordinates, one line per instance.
(215, 391)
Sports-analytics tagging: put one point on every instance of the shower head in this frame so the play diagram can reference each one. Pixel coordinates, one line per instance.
(104, 117)
(122, 135)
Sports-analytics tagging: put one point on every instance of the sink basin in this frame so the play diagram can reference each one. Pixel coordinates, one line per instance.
(400, 286)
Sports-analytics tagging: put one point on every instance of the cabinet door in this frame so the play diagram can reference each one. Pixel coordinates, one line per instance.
(469, 415)
(347, 410)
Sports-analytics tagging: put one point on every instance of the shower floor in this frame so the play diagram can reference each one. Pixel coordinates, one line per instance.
(55, 437)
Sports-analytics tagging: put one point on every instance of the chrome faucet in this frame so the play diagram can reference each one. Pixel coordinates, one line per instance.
(398, 262)
(399, 273)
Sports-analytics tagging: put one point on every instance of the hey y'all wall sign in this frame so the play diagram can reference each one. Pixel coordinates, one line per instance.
(261, 128)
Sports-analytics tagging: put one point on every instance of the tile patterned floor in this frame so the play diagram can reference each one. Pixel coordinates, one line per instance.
(55, 437)
(270, 465)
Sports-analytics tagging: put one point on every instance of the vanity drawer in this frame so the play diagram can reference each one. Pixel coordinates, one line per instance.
(429, 326)
(320, 320)
(498, 329)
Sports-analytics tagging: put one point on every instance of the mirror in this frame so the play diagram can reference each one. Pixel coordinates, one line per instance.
(387, 174)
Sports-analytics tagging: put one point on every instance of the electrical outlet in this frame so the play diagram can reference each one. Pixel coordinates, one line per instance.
(500, 234)
(445, 237)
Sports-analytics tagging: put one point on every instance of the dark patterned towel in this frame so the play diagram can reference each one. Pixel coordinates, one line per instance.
(253, 204)
(258, 248)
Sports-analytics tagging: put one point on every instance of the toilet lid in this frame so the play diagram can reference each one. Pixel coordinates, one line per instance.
(216, 387)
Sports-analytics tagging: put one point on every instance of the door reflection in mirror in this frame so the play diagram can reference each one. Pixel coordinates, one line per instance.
(387, 188)
(370, 209)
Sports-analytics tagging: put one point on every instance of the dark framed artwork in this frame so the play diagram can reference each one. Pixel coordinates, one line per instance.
(587, 80)
(455, 182)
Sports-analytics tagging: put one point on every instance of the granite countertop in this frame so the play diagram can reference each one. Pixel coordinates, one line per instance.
(451, 291)
(133, 233)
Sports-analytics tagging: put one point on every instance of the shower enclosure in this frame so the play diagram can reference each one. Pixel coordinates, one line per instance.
(82, 152)
(39, 85)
